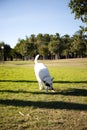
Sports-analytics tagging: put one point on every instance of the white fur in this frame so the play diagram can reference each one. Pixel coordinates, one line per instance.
(42, 75)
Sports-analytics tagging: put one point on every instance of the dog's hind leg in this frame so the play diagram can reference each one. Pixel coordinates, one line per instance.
(40, 85)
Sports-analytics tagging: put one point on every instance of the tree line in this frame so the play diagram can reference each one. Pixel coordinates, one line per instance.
(48, 46)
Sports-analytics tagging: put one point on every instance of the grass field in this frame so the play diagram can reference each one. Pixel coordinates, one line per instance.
(24, 107)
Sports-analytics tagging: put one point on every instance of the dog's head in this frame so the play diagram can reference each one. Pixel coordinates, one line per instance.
(48, 82)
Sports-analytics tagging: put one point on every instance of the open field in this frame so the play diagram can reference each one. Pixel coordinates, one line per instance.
(24, 107)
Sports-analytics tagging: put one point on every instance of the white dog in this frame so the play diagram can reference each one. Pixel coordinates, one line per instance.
(43, 76)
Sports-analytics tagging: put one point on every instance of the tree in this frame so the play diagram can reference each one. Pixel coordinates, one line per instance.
(46, 38)
(54, 48)
(42, 44)
(40, 39)
(25, 48)
(15, 55)
(43, 50)
(32, 38)
(82, 32)
(6, 51)
(21, 48)
(79, 8)
(78, 46)
(66, 44)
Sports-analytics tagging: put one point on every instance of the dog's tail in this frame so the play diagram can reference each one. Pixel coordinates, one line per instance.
(36, 58)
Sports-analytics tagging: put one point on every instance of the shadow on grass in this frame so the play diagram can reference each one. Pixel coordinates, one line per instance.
(44, 104)
(68, 92)
(60, 81)
(73, 92)
(14, 91)
(34, 81)
(19, 81)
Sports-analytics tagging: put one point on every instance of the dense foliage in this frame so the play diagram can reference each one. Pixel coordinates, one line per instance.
(49, 46)
(53, 46)
(79, 8)
(5, 51)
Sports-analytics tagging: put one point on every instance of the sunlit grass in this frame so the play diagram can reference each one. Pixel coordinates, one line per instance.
(66, 109)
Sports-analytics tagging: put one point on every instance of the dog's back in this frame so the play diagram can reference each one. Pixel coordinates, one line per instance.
(40, 69)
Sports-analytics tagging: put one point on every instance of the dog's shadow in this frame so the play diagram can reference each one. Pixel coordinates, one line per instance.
(68, 92)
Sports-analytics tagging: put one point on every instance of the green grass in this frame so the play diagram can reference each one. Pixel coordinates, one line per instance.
(24, 107)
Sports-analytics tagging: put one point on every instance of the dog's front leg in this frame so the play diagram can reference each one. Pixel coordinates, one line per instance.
(46, 89)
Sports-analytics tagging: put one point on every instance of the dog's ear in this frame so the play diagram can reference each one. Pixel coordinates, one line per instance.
(52, 78)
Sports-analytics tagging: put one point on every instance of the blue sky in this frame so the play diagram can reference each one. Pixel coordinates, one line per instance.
(21, 18)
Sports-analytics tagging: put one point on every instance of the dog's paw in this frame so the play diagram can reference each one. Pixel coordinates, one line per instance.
(53, 91)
